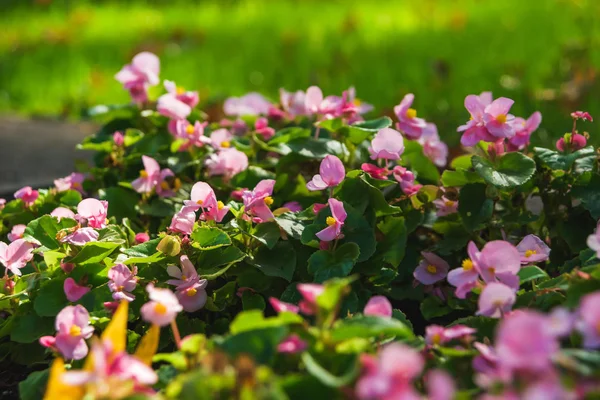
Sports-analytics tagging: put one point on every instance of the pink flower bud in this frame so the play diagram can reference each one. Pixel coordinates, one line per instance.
(142, 237)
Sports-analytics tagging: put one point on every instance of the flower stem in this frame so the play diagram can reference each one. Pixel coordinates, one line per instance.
(176, 334)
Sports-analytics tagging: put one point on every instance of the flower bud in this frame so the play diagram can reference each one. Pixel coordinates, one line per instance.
(169, 245)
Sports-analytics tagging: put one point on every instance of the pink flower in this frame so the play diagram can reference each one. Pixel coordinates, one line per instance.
(293, 206)
(152, 177)
(250, 104)
(187, 97)
(317, 207)
(190, 289)
(334, 223)
(332, 173)
(571, 141)
(533, 250)
(292, 345)
(387, 144)
(73, 327)
(523, 342)
(62, 212)
(431, 269)
(203, 197)
(408, 122)
(73, 291)
(93, 213)
(227, 162)
(257, 201)
(474, 130)
(309, 292)
(67, 267)
(582, 115)
(433, 147)
(28, 195)
(280, 306)
(139, 75)
(499, 260)
(524, 129)
(183, 220)
(118, 138)
(262, 128)
(497, 119)
(293, 103)
(162, 308)
(328, 107)
(445, 206)
(73, 181)
(561, 322)
(440, 385)
(17, 232)
(122, 282)
(172, 107)
(141, 237)
(192, 135)
(495, 300)
(16, 255)
(589, 320)
(378, 306)
(374, 171)
(406, 179)
(2, 203)
(221, 139)
(437, 335)
(81, 236)
(465, 278)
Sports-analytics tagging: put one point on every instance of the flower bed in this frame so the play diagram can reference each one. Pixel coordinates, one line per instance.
(296, 249)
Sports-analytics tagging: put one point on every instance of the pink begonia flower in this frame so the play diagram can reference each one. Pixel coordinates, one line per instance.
(16, 255)
(92, 212)
(433, 147)
(220, 139)
(445, 206)
(292, 345)
(2, 203)
(183, 221)
(406, 180)
(547, 388)
(334, 223)
(17, 232)
(262, 128)
(62, 212)
(280, 306)
(172, 107)
(387, 144)
(431, 269)
(67, 267)
(408, 122)
(73, 181)
(561, 322)
(257, 201)
(533, 250)
(293, 206)
(498, 121)
(440, 385)
(118, 138)
(589, 320)
(582, 115)
(523, 342)
(162, 308)
(152, 177)
(378, 306)
(293, 103)
(474, 130)
(374, 171)
(188, 97)
(317, 207)
(227, 162)
(495, 300)
(203, 198)
(437, 335)
(332, 173)
(524, 129)
(249, 104)
(499, 260)
(139, 75)
(81, 236)
(191, 134)
(354, 106)
(465, 278)
(122, 282)
(309, 292)
(190, 289)
(28, 195)
(390, 376)
(572, 142)
(315, 104)
(141, 237)
(73, 327)
(73, 291)
(113, 375)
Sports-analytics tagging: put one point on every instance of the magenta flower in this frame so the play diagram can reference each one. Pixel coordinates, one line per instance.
(62, 212)
(73, 327)
(437, 335)
(433, 147)
(141, 237)
(533, 250)
(408, 122)
(118, 138)
(190, 289)
(73, 291)
(474, 130)
(374, 171)
(524, 129)
(28, 195)
(334, 223)
(139, 75)
(589, 320)
(495, 300)
(183, 221)
(315, 104)
(190, 134)
(249, 104)
(571, 141)
(293, 103)
(465, 278)
(17, 232)
(499, 260)
(185, 96)
(332, 173)
(162, 308)
(293, 206)
(445, 206)
(317, 207)
(309, 292)
(172, 107)
(16, 255)
(227, 162)
(73, 181)
(92, 212)
(81, 236)
(582, 115)
(378, 306)
(203, 197)
(406, 179)
(221, 139)
(262, 128)
(497, 119)
(431, 269)
(257, 201)
(151, 177)
(292, 345)
(280, 306)
(440, 385)
(387, 144)
(122, 282)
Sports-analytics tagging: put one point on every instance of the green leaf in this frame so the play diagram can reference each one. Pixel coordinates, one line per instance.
(260, 344)
(462, 162)
(29, 328)
(393, 246)
(208, 238)
(254, 319)
(474, 207)
(280, 261)
(143, 253)
(433, 307)
(587, 190)
(509, 171)
(586, 362)
(361, 131)
(94, 252)
(70, 198)
(210, 261)
(121, 202)
(251, 176)
(51, 298)
(530, 273)
(252, 301)
(564, 161)
(335, 290)
(369, 326)
(325, 264)
(420, 164)
(34, 386)
(267, 233)
(222, 297)
(326, 377)
(291, 224)
(460, 177)
(44, 230)
(316, 148)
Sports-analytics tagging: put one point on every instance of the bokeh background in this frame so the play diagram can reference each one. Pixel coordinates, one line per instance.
(58, 58)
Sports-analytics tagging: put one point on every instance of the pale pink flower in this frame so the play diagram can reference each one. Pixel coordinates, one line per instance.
(589, 320)
(334, 223)
(406, 180)
(62, 212)
(73, 181)
(92, 212)
(309, 292)
(499, 260)
(433, 147)
(262, 128)
(28, 195)
(183, 220)
(73, 327)
(495, 300)
(220, 139)
(122, 282)
(250, 104)
(74, 291)
(227, 162)
(16, 255)
(118, 138)
(17, 232)
(293, 206)
(292, 345)
(378, 306)
(162, 308)
(188, 97)
(152, 177)
(2, 203)
(293, 103)
(332, 173)
(139, 75)
(172, 107)
(431, 269)
(280, 306)
(258, 201)
(436, 334)
(498, 121)
(190, 289)
(445, 206)
(440, 385)
(408, 122)
(315, 104)
(582, 115)
(533, 250)
(465, 278)
(561, 322)
(203, 197)
(524, 129)
(191, 134)
(81, 236)
(387, 144)
(475, 130)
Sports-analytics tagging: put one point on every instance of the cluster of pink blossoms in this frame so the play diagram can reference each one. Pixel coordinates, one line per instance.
(203, 198)
(152, 178)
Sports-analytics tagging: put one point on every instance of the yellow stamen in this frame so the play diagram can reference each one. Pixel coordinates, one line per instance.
(529, 253)
(471, 118)
(492, 270)
(76, 184)
(191, 292)
(268, 200)
(160, 308)
(180, 90)
(432, 269)
(189, 129)
(436, 338)
(176, 184)
(330, 221)
(183, 277)
(164, 185)
(357, 102)
(226, 144)
(143, 173)
(411, 113)
(75, 330)
(120, 288)
(501, 119)
(467, 264)
(200, 202)
(448, 203)
(220, 205)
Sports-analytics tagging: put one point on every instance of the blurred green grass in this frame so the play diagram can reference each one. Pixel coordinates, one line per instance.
(59, 57)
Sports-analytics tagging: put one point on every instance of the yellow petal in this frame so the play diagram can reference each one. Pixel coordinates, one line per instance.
(57, 389)
(148, 345)
(116, 331)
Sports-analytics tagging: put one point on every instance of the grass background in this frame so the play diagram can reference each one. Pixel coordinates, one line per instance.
(59, 57)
